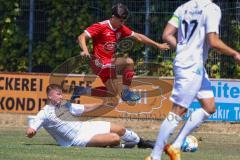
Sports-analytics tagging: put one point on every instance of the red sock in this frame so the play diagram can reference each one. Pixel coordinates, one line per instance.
(127, 77)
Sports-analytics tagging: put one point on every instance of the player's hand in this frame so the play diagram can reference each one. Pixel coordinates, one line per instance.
(163, 46)
(237, 58)
(84, 54)
(30, 132)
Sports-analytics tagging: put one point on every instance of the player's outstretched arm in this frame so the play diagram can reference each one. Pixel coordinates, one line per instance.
(36, 124)
(95, 106)
(144, 39)
(82, 39)
(216, 43)
(169, 35)
(92, 107)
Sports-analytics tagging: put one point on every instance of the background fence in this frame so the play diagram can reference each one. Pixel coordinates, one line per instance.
(38, 35)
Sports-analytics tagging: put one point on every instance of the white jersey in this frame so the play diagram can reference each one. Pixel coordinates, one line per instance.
(64, 131)
(194, 19)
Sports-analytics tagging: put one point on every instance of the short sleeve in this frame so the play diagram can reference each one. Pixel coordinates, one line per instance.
(213, 18)
(94, 30)
(76, 109)
(126, 32)
(174, 20)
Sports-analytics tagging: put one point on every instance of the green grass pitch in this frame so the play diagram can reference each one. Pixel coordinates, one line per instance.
(15, 146)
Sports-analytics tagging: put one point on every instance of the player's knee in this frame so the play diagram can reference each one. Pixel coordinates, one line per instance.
(209, 105)
(129, 61)
(210, 109)
(121, 131)
(115, 139)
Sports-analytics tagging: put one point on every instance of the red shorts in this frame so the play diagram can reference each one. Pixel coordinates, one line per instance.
(104, 71)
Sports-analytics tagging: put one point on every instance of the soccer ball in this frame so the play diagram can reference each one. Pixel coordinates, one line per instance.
(190, 144)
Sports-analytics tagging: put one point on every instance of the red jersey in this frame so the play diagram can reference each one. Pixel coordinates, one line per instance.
(105, 38)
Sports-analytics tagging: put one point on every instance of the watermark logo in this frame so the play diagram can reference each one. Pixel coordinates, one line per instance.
(79, 87)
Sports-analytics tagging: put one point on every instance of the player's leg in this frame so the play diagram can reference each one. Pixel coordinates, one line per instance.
(130, 140)
(206, 98)
(100, 91)
(105, 72)
(109, 90)
(184, 91)
(130, 137)
(208, 105)
(111, 85)
(113, 139)
(108, 76)
(104, 140)
(125, 66)
(96, 134)
(195, 120)
(118, 129)
(125, 134)
(102, 134)
(166, 130)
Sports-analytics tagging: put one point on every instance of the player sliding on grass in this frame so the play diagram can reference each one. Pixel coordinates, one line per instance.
(76, 133)
(105, 36)
(197, 25)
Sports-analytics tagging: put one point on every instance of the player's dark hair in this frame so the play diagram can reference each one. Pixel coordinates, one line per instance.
(51, 87)
(120, 10)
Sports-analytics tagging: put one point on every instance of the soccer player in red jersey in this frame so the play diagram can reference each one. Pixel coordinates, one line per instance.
(105, 36)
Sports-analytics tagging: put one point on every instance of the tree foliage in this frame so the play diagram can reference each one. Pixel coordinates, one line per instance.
(13, 42)
(64, 20)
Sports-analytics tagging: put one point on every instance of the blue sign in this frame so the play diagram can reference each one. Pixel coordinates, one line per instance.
(227, 101)
(229, 112)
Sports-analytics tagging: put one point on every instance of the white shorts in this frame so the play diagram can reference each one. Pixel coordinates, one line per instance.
(89, 129)
(190, 84)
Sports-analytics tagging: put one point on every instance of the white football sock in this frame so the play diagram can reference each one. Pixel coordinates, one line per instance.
(194, 121)
(167, 128)
(130, 136)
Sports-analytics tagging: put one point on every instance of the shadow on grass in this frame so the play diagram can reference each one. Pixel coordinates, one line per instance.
(41, 144)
